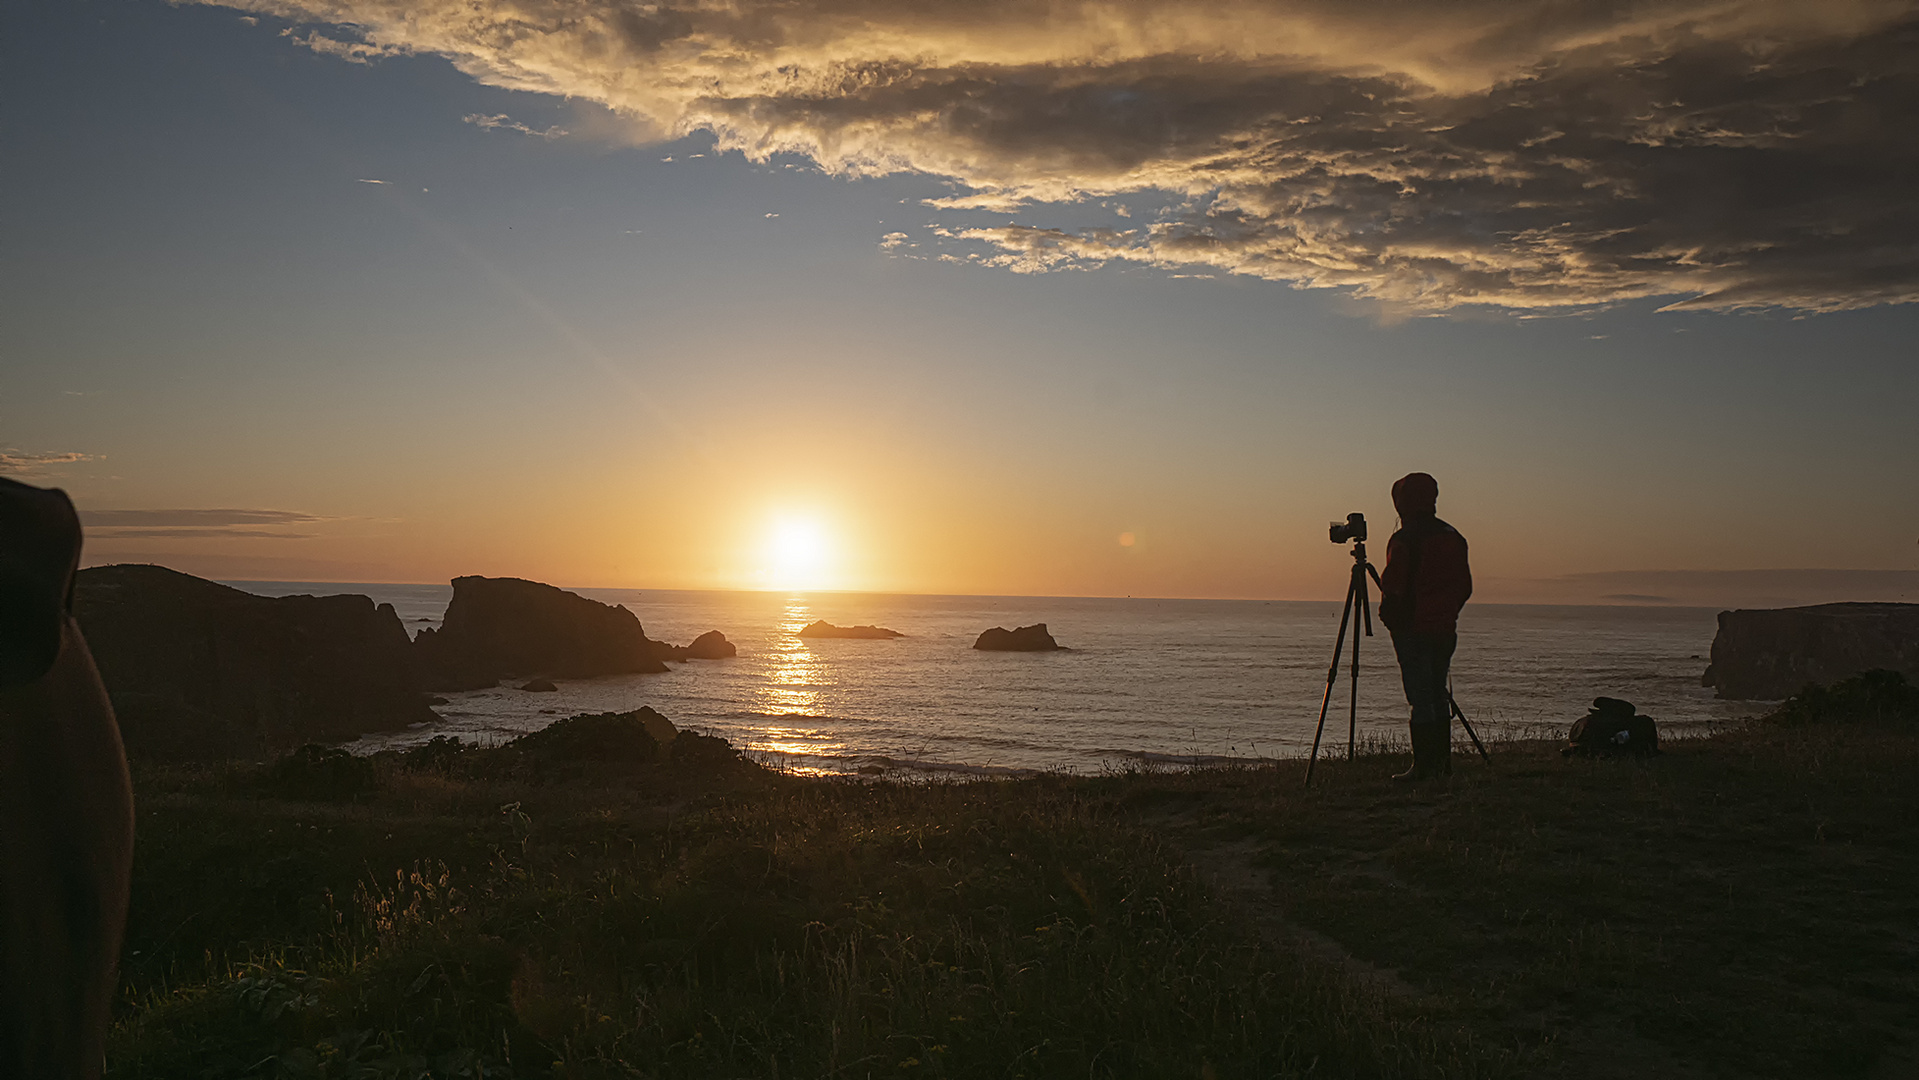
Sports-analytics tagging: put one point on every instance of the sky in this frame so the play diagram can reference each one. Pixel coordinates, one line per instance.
(1007, 297)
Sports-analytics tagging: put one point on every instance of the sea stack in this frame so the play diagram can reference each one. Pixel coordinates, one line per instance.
(711, 645)
(1032, 638)
(1771, 653)
(497, 628)
(824, 629)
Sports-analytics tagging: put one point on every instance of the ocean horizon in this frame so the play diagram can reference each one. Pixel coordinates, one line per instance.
(1144, 682)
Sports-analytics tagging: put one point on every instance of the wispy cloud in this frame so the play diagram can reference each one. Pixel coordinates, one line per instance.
(196, 518)
(982, 200)
(26, 462)
(354, 52)
(1523, 154)
(1713, 588)
(192, 534)
(503, 122)
(219, 524)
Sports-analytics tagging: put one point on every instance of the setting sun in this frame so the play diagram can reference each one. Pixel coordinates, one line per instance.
(798, 555)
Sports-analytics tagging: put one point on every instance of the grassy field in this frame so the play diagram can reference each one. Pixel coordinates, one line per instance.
(587, 906)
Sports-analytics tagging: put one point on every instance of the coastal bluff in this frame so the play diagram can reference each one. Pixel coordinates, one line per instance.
(199, 670)
(1768, 654)
(497, 628)
(1034, 638)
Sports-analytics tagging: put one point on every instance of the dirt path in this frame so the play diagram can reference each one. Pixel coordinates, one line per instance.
(1231, 868)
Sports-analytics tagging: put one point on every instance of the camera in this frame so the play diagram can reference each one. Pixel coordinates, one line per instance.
(1353, 529)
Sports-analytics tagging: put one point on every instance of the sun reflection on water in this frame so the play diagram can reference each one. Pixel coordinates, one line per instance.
(796, 673)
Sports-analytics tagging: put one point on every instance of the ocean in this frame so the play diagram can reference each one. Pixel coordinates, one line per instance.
(1145, 682)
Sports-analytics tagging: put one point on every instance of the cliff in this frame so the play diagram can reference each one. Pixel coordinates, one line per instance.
(497, 628)
(1767, 654)
(197, 669)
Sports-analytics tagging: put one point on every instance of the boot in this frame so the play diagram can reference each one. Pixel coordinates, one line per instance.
(1432, 752)
(1441, 754)
(1421, 754)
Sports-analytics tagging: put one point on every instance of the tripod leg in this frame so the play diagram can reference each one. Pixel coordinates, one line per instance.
(1365, 604)
(1332, 676)
(1468, 725)
(1352, 702)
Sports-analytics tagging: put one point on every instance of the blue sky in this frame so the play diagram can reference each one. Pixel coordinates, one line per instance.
(567, 357)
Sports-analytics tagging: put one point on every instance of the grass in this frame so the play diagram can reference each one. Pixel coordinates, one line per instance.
(1740, 906)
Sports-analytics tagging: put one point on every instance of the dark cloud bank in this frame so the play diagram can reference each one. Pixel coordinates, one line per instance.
(1523, 154)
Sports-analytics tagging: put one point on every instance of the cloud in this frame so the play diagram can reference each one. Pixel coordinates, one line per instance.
(191, 534)
(1711, 588)
(982, 200)
(195, 524)
(353, 52)
(503, 122)
(1520, 154)
(195, 518)
(22, 461)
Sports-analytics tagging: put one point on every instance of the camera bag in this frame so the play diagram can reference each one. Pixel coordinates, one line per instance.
(1612, 728)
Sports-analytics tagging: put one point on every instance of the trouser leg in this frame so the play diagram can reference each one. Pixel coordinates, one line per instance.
(1424, 660)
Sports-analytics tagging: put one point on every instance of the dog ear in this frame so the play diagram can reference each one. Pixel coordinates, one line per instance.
(39, 553)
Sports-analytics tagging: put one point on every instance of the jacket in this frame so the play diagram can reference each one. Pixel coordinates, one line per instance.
(1427, 578)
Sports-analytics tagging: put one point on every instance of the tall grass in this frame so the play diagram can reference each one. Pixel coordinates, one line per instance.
(767, 926)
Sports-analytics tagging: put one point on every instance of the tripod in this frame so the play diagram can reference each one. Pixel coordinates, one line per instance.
(1358, 597)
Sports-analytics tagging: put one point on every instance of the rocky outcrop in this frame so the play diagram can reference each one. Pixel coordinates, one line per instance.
(711, 645)
(196, 669)
(600, 738)
(1032, 638)
(498, 628)
(824, 629)
(1767, 654)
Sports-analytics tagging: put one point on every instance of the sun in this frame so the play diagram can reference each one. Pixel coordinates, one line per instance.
(799, 555)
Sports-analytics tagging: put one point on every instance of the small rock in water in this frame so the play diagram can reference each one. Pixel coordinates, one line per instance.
(540, 686)
(711, 645)
(824, 629)
(1032, 638)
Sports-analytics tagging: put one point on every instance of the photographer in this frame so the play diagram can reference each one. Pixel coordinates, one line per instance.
(1425, 583)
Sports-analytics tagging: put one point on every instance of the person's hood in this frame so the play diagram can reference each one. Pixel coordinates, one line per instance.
(1416, 495)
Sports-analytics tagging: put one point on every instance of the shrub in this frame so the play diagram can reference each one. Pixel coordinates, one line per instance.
(319, 772)
(1870, 697)
(598, 738)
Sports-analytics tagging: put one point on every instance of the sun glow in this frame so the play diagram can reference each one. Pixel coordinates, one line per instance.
(799, 555)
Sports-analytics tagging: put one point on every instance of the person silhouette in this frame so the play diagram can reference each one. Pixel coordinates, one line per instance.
(1425, 583)
(66, 808)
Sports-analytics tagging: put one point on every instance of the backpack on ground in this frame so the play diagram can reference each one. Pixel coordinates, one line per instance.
(1613, 728)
